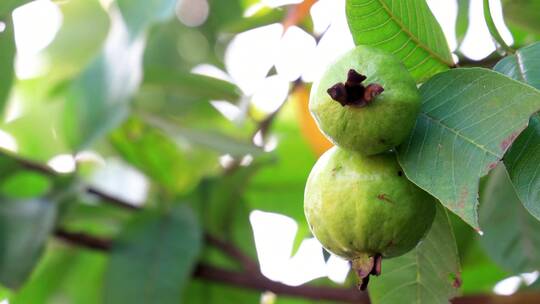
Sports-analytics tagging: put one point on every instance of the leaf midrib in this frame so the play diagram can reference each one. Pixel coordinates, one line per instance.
(520, 66)
(459, 134)
(413, 37)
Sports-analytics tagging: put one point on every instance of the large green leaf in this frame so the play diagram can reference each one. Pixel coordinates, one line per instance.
(98, 97)
(511, 235)
(469, 118)
(479, 272)
(153, 257)
(25, 226)
(523, 158)
(428, 274)
(523, 163)
(211, 139)
(178, 168)
(7, 49)
(189, 84)
(523, 13)
(140, 14)
(38, 131)
(407, 29)
(524, 65)
(72, 274)
(462, 21)
(25, 185)
(67, 61)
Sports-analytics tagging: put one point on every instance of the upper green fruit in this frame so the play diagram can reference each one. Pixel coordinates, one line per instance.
(368, 115)
(360, 207)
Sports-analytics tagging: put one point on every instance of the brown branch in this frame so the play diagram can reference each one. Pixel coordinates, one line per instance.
(487, 62)
(249, 280)
(83, 240)
(30, 165)
(261, 283)
(256, 281)
(247, 263)
(112, 199)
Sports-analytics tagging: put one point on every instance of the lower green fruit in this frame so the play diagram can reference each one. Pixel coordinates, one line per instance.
(363, 208)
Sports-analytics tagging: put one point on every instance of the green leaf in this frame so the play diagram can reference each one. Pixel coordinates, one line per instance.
(176, 167)
(24, 228)
(96, 218)
(65, 272)
(189, 84)
(462, 21)
(8, 5)
(468, 119)
(140, 14)
(523, 163)
(97, 100)
(523, 13)
(68, 61)
(205, 292)
(263, 17)
(206, 138)
(511, 235)
(25, 185)
(523, 158)
(7, 49)
(524, 65)
(153, 257)
(479, 273)
(428, 274)
(407, 29)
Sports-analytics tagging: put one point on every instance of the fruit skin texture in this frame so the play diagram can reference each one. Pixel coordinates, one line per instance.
(359, 206)
(386, 121)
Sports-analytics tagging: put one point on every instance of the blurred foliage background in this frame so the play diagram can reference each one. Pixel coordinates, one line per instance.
(162, 125)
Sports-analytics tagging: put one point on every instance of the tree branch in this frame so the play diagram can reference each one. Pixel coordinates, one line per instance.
(256, 281)
(252, 280)
(111, 199)
(247, 263)
(261, 283)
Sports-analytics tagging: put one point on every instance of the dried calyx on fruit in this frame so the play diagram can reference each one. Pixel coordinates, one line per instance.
(364, 209)
(366, 101)
(353, 92)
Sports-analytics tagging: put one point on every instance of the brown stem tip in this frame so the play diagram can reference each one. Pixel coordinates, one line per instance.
(353, 92)
(365, 266)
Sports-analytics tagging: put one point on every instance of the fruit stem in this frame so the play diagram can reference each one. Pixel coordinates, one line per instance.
(362, 266)
(366, 265)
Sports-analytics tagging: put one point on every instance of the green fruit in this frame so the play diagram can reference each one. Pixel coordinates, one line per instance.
(360, 207)
(368, 115)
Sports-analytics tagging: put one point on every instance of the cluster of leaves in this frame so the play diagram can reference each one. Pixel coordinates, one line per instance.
(126, 92)
(470, 119)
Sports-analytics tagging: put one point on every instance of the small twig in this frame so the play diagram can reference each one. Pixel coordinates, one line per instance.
(111, 199)
(248, 264)
(30, 165)
(83, 240)
(487, 62)
(493, 29)
(261, 283)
